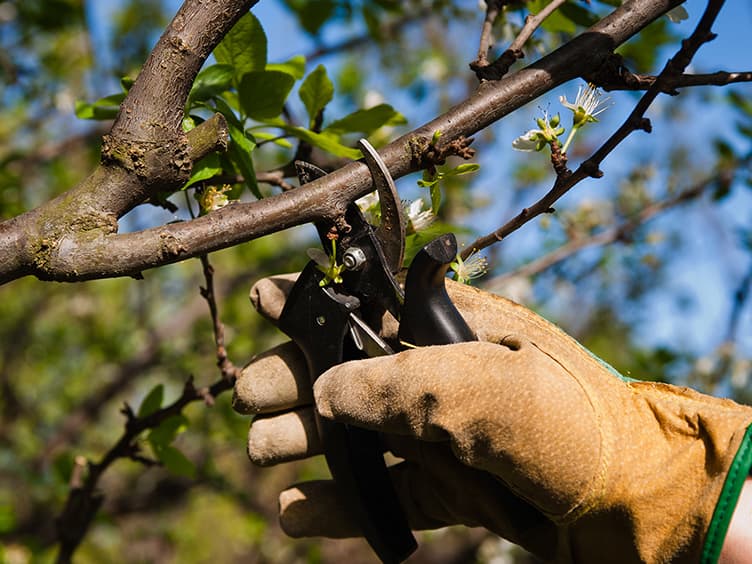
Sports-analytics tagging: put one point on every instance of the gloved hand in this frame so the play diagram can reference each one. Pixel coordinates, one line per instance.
(524, 433)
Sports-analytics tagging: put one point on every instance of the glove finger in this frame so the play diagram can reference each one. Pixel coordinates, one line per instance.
(273, 439)
(273, 381)
(423, 393)
(490, 402)
(435, 491)
(268, 295)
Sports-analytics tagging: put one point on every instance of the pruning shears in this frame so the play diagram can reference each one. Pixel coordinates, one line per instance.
(334, 321)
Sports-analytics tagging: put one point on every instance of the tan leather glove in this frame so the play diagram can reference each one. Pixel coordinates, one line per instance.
(526, 434)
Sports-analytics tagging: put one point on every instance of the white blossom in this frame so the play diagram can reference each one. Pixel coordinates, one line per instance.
(474, 266)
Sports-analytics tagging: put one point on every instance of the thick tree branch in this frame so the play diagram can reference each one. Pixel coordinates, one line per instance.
(145, 151)
(99, 253)
(146, 139)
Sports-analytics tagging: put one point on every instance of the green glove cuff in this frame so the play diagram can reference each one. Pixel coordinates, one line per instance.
(724, 510)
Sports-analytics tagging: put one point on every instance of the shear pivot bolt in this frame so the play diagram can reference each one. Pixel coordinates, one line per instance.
(354, 258)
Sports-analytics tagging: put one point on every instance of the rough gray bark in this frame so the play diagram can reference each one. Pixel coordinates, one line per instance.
(74, 237)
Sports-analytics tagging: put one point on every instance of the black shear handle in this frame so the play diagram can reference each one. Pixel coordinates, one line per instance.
(428, 316)
(317, 321)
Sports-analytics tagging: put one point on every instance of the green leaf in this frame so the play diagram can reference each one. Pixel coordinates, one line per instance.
(104, 108)
(325, 141)
(239, 153)
(435, 198)
(206, 168)
(295, 66)
(163, 435)
(126, 82)
(427, 183)
(276, 139)
(176, 462)
(316, 92)
(152, 402)
(211, 81)
(367, 121)
(244, 48)
(465, 168)
(263, 93)
(241, 147)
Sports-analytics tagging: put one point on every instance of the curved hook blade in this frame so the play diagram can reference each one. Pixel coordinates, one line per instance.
(391, 232)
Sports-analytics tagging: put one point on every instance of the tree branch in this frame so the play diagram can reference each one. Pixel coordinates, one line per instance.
(636, 121)
(73, 256)
(84, 499)
(614, 75)
(620, 232)
(208, 137)
(228, 370)
(500, 67)
(493, 9)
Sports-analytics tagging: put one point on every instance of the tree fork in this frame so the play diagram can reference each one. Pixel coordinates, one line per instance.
(84, 256)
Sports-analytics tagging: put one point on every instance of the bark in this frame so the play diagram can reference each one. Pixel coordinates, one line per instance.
(74, 237)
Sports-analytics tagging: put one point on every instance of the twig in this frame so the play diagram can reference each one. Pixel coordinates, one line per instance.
(636, 121)
(227, 368)
(500, 67)
(84, 499)
(614, 75)
(493, 9)
(621, 232)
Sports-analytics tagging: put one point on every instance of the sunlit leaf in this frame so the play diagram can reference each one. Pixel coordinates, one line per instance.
(152, 402)
(465, 168)
(263, 93)
(239, 152)
(206, 168)
(276, 139)
(295, 66)
(316, 92)
(211, 81)
(244, 48)
(367, 121)
(326, 142)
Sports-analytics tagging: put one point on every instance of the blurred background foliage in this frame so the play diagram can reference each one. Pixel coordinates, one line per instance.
(663, 299)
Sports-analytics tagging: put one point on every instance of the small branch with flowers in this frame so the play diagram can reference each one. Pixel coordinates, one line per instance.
(586, 106)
